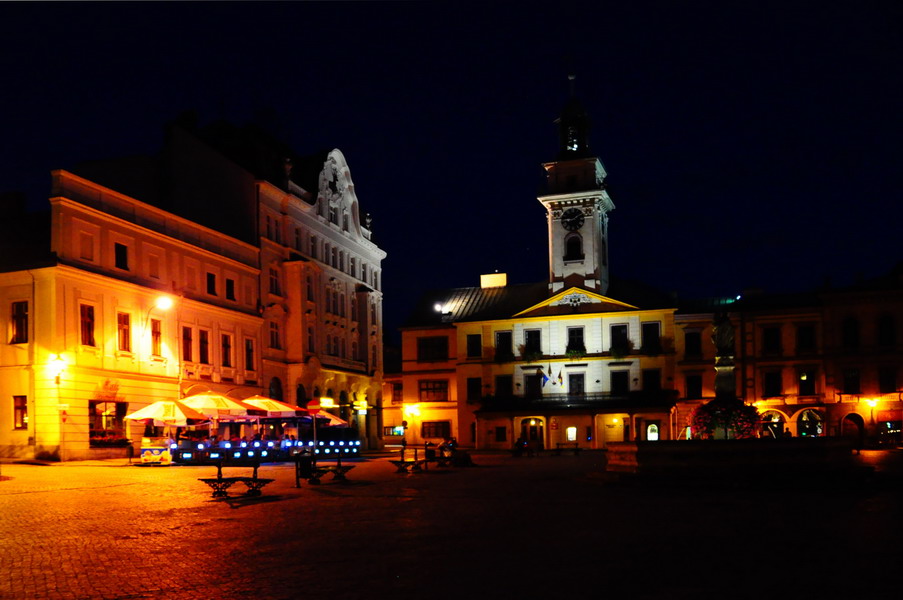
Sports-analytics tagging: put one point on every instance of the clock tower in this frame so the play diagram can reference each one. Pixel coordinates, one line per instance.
(577, 207)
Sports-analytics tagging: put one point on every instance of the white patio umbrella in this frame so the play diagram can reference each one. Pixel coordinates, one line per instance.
(275, 408)
(217, 406)
(167, 412)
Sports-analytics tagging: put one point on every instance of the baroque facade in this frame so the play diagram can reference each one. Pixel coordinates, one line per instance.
(270, 281)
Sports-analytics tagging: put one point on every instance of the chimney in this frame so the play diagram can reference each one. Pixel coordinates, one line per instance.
(493, 280)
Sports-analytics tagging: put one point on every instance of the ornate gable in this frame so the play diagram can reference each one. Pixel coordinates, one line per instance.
(576, 300)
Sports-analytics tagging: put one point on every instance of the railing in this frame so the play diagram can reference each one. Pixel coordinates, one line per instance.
(594, 400)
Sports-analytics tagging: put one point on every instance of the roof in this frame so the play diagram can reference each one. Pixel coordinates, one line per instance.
(446, 306)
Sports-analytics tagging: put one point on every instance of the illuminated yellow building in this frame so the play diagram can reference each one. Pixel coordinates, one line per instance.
(272, 282)
(579, 359)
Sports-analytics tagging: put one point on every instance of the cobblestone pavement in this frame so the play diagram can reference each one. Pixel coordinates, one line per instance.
(542, 527)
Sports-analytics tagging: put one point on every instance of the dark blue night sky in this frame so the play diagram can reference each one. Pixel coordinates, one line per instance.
(749, 144)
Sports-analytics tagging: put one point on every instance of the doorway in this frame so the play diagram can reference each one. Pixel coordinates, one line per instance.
(531, 430)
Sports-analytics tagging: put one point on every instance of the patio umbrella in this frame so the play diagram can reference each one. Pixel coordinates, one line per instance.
(275, 408)
(331, 418)
(218, 406)
(167, 412)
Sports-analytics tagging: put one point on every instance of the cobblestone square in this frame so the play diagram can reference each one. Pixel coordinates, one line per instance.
(543, 527)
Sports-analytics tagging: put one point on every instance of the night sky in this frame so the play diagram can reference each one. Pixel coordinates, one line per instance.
(748, 144)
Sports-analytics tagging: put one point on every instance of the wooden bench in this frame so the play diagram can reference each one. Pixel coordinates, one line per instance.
(574, 446)
(220, 485)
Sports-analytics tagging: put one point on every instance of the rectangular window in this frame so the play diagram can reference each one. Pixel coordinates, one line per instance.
(230, 289)
(692, 344)
(86, 246)
(575, 340)
(156, 337)
(274, 282)
(887, 380)
(298, 239)
(121, 256)
(693, 382)
(204, 347)
(313, 246)
(620, 343)
(504, 345)
(20, 412)
(211, 284)
(433, 390)
(226, 347)
(19, 322)
(576, 384)
(432, 348)
(275, 338)
(771, 384)
(806, 381)
(805, 338)
(771, 341)
(187, 352)
(474, 389)
(153, 266)
(436, 429)
(620, 383)
(474, 345)
(504, 386)
(311, 340)
(533, 341)
(652, 380)
(851, 381)
(651, 338)
(86, 316)
(124, 329)
(249, 355)
(397, 393)
(501, 434)
(533, 386)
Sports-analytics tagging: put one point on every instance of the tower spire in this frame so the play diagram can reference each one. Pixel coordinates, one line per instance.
(573, 126)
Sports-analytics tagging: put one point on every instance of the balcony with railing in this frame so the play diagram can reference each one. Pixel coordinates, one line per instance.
(601, 401)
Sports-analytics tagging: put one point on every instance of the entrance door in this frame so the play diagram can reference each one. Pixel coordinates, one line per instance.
(531, 430)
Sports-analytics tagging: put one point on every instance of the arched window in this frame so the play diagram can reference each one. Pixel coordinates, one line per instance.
(275, 388)
(300, 395)
(573, 247)
(652, 432)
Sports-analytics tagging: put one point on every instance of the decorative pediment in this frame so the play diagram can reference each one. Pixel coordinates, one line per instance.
(576, 300)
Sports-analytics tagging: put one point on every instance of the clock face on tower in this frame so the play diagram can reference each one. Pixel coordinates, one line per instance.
(572, 219)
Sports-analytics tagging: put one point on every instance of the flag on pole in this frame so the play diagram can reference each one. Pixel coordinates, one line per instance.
(545, 379)
(560, 378)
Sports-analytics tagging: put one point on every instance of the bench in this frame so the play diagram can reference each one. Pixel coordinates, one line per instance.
(338, 472)
(408, 466)
(574, 446)
(220, 485)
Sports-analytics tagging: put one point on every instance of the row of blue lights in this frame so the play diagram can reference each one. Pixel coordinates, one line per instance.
(263, 453)
(228, 445)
